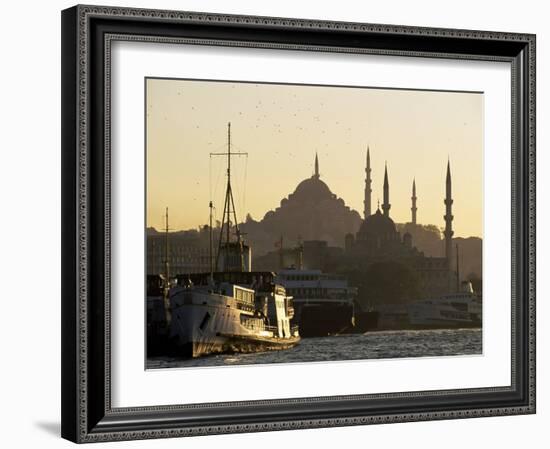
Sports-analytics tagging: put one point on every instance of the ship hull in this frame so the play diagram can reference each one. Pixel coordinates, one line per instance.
(442, 324)
(203, 329)
(321, 320)
(426, 317)
(235, 344)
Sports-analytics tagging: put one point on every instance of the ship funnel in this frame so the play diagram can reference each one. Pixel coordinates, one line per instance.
(467, 287)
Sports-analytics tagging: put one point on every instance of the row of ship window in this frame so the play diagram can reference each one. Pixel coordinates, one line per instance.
(302, 277)
(306, 291)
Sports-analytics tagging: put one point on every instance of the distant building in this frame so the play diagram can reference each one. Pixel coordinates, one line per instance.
(309, 255)
(187, 253)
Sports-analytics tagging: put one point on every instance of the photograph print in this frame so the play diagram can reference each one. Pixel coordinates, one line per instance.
(311, 223)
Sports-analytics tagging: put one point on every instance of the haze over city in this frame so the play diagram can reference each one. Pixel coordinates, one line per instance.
(282, 127)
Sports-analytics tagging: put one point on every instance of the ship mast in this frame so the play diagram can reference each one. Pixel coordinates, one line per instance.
(300, 253)
(457, 271)
(211, 256)
(281, 254)
(166, 250)
(166, 289)
(229, 211)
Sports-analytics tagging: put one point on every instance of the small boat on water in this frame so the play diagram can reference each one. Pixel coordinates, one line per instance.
(455, 310)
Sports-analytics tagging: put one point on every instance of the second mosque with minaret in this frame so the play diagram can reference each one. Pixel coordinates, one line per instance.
(316, 215)
(378, 239)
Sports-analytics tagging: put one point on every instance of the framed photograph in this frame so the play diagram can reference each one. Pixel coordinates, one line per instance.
(283, 223)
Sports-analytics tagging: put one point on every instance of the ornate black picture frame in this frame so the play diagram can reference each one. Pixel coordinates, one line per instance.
(87, 413)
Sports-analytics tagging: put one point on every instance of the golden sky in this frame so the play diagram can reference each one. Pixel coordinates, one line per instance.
(281, 127)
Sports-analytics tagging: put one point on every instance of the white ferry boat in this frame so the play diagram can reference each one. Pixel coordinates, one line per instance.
(234, 309)
(324, 303)
(455, 310)
(230, 312)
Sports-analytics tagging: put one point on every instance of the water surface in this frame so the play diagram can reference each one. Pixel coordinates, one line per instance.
(372, 345)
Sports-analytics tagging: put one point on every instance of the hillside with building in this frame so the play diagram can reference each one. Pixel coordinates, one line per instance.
(314, 229)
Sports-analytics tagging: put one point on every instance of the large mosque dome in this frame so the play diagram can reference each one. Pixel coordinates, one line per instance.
(312, 189)
(311, 212)
(377, 226)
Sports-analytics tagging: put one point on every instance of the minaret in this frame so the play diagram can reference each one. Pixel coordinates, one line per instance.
(386, 204)
(413, 199)
(316, 175)
(368, 189)
(448, 233)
